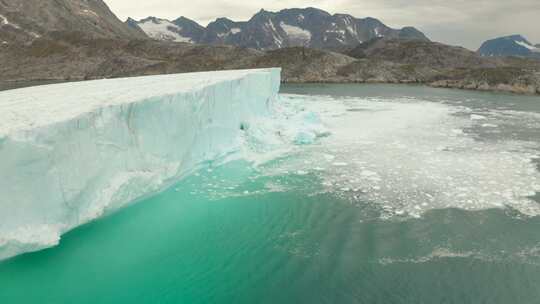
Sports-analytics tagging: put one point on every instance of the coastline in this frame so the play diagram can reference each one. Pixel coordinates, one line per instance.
(454, 85)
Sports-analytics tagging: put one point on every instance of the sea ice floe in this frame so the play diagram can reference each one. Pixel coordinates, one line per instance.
(413, 156)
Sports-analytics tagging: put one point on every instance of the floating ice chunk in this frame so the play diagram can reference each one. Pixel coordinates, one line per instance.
(305, 138)
(329, 157)
(424, 160)
(312, 118)
(477, 117)
(367, 173)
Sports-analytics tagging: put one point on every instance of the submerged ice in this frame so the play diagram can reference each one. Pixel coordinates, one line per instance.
(71, 152)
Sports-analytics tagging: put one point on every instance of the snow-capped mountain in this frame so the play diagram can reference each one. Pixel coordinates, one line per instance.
(266, 30)
(515, 45)
(160, 29)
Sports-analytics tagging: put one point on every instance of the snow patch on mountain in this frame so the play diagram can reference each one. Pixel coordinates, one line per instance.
(295, 33)
(514, 45)
(162, 29)
(351, 30)
(232, 31)
(308, 27)
(90, 13)
(4, 21)
(525, 45)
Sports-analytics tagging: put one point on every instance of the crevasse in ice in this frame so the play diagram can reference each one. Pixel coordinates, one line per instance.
(71, 152)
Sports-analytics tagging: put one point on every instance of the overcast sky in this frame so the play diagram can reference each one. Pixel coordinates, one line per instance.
(458, 22)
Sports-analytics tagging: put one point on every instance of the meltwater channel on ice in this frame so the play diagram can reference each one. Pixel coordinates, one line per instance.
(71, 152)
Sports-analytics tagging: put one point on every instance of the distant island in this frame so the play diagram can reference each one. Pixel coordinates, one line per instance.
(46, 40)
(514, 45)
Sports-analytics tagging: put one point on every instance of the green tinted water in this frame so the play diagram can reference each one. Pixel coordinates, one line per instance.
(238, 234)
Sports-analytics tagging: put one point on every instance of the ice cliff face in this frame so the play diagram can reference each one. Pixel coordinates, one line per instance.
(71, 152)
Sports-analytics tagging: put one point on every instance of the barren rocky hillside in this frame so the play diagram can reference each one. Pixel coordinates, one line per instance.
(59, 40)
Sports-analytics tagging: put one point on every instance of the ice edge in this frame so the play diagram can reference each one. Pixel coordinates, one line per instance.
(59, 175)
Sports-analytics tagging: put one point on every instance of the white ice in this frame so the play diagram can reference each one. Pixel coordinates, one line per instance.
(161, 30)
(296, 33)
(71, 152)
(410, 156)
(236, 30)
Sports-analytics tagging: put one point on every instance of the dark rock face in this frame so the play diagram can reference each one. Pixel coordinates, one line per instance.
(309, 27)
(417, 52)
(132, 23)
(190, 28)
(24, 21)
(515, 45)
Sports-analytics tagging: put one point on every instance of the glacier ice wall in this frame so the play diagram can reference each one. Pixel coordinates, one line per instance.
(71, 152)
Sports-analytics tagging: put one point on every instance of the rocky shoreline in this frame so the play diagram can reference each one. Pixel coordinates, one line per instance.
(456, 85)
(506, 88)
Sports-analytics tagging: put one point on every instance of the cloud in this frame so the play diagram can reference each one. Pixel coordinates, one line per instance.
(458, 22)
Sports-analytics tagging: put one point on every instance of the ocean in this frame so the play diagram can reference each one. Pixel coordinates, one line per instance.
(407, 194)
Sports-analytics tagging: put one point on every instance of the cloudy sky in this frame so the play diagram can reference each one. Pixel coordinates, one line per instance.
(457, 22)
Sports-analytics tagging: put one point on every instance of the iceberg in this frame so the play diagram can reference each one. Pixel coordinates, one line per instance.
(70, 153)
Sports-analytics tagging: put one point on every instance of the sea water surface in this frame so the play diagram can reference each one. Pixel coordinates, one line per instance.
(407, 195)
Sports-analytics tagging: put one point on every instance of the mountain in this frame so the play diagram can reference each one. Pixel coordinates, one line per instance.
(309, 27)
(131, 23)
(440, 65)
(515, 45)
(56, 40)
(417, 52)
(179, 30)
(24, 21)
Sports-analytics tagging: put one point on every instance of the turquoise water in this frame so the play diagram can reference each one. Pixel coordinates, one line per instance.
(351, 231)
